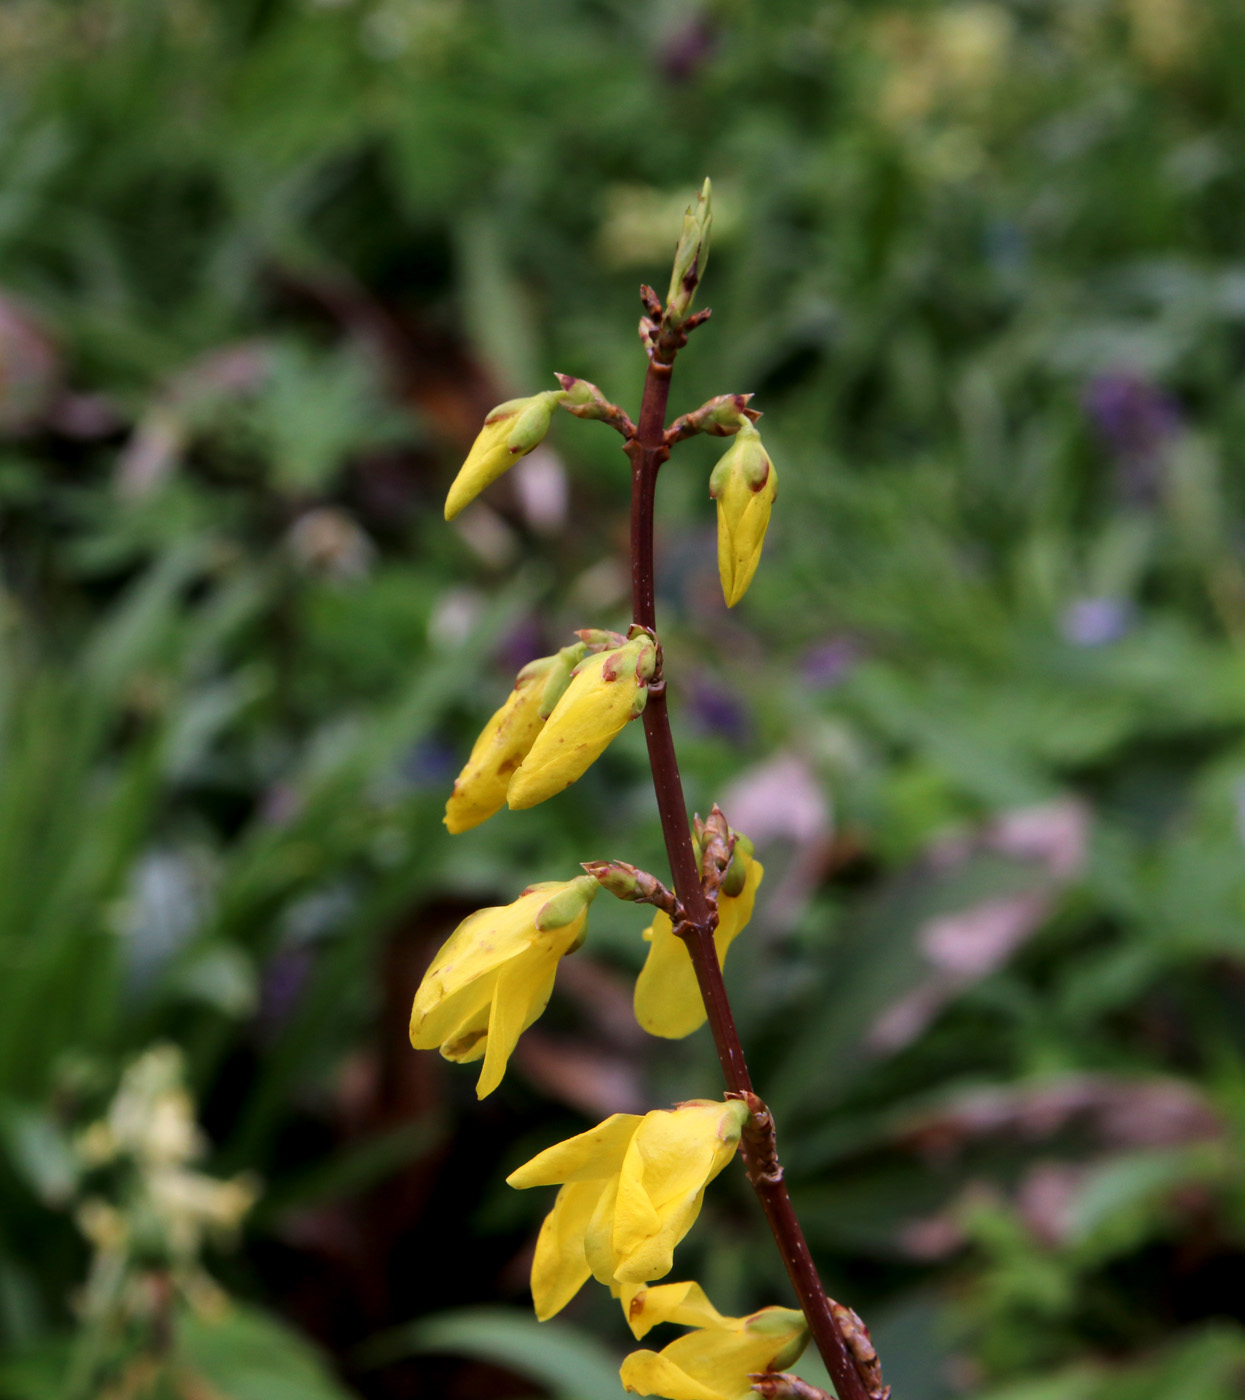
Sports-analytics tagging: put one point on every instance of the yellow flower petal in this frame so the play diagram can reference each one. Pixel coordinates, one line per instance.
(590, 1156)
(559, 1269)
(651, 1373)
(667, 995)
(685, 1303)
(521, 992)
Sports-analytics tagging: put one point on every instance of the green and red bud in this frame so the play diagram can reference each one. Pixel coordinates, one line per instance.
(691, 257)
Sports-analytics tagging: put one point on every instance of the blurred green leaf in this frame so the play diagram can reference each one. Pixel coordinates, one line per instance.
(569, 1363)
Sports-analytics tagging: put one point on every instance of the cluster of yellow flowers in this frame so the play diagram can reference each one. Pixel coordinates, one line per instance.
(631, 1187)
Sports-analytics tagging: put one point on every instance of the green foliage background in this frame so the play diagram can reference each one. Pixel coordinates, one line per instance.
(264, 264)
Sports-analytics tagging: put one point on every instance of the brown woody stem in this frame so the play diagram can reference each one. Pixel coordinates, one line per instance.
(648, 450)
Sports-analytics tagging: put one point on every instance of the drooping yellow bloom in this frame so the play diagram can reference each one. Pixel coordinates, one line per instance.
(493, 976)
(744, 484)
(510, 431)
(606, 690)
(631, 1189)
(480, 789)
(667, 995)
(715, 1361)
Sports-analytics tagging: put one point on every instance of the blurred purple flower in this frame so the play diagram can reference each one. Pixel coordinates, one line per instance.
(1135, 419)
(827, 663)
(524, 642)
(716, 710)
(281, 987)
(1095, 622)
(688, 49)
(432, 763)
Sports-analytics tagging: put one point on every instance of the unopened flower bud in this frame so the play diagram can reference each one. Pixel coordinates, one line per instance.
(568, 904)
(606, 690)
(744, 484)
(510, 431)
(598, 639)
(480, 789)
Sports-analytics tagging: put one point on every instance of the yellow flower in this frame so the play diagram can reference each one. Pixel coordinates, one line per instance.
(480, 789)
(667, 995)
(510, 431)
(606, 690)
(744, 484)
(715, 1361)
(493, 977)
(631, 1189)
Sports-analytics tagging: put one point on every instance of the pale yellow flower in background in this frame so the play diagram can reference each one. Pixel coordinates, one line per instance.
(715, 1361)
(744, 484)
(494, 975)
(510, 431)
(667, 995)
(606, 690)
(632, 1187)
(504, 742)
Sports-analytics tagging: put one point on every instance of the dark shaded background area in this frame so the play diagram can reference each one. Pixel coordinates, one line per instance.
(263, 268)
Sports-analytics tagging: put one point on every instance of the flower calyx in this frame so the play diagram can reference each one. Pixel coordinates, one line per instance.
(625, 881)
(585, 400)
(719, 417)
